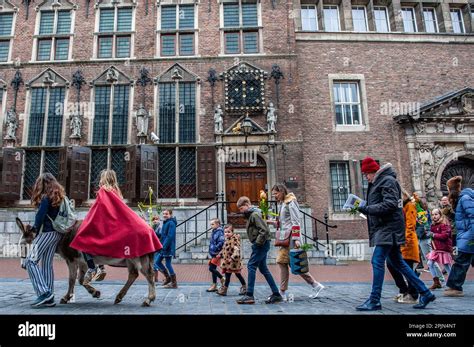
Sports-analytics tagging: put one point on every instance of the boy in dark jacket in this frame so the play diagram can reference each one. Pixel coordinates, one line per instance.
(215, 247)
(259, 235)
(386, 232)
(168, 240)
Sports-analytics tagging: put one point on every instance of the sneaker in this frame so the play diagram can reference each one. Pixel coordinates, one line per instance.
(398, 297)
(49, 303)
(42, 299)
(315, 291)
(90, 275)
(284, 296)
(425, 300)
(212, 288)
(274, 298)
(101, 273)
(450, 292)
(246, 300)
(407, 299)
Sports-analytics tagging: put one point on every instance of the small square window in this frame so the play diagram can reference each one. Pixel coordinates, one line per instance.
(232, 45)
(250, 42)
(168, 45)
(44, 49)
(186, 44)
(62, 49)
(105, 46)
(123, 46)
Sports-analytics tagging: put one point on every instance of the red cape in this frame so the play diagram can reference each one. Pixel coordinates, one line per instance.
(112, 229)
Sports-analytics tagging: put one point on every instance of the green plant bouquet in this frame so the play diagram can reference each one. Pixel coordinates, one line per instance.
(264, 206)
(306, 247)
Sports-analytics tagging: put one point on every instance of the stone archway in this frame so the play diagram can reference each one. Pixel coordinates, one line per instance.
(462, 167)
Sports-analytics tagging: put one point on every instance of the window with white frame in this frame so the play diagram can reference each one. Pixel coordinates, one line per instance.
(241, 30)
(347, 103)
(382, 24)
(340, 184)
(54, 35)
(309, 18)
(431, 22)
(177, 30)
(359, 18)
(409, 21)
(457, 20)
(115, 34)
(331, 18)
(6, 34)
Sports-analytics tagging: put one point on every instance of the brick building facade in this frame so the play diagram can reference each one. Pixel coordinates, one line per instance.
(344, 77)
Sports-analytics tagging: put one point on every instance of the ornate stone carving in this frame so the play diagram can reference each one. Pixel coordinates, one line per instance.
(420, 128)
(460, 128)
(76, 125)
(142, 121)
(468, 103)
(440, 128)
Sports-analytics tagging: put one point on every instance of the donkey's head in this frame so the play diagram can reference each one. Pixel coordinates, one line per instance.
(27, 237)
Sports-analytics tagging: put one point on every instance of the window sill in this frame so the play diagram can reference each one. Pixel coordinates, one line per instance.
(50, 61)
(351, 128)
(172, 57)
(241, 55)
(112, 59)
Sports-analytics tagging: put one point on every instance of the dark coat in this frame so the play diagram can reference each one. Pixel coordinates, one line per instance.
(465, 221)
(168, 237)
(258, 231)
(384, 209)
(45, 209)
(216, 242)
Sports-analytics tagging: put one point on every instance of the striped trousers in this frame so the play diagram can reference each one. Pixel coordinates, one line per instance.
(42, 250)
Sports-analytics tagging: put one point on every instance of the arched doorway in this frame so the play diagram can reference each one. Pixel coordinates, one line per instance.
(462, 167)
(243, 179)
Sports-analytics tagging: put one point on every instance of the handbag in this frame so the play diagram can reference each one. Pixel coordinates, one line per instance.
(282, 239)
(298, 262)
(215, 261)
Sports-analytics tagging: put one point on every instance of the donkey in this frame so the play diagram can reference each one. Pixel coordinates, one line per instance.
(77, 265)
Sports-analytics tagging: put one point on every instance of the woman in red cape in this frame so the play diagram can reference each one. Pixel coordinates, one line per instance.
(112, 229)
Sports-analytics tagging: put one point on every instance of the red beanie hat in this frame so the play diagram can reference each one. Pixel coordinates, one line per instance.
(369, 165)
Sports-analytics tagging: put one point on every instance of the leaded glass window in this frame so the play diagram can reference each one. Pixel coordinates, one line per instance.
(241, 31)
(115, 32)
(54, 35)
(340, 184)
(177, 30)
(177, 172)
(167, 112)
(6, 22)
(347, 103)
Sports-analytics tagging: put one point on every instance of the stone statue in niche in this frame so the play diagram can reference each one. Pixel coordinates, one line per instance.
(11, 123)
(218, 120)
(76, 125)
(142, 121)
(111, 76)
(271, 118)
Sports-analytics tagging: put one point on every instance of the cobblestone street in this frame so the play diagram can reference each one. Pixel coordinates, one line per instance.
(192, 299)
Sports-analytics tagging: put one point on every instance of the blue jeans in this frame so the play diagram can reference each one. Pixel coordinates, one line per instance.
(258, 259)
(158, 265)
(393, 256)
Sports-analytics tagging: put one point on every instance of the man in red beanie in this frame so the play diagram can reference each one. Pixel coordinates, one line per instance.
(386, 224)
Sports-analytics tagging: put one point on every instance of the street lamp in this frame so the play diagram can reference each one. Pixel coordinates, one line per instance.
(247, 127)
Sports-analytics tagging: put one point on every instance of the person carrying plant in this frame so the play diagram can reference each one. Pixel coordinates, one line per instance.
(288, 224)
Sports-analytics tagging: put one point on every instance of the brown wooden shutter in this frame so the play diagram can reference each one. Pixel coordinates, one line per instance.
(63, 169)
(78, 168)
(12, 168)
(129, 187)
(148, 171)
(206, 167)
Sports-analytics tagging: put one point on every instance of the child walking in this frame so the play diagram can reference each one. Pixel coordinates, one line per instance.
(259, 235)
(157, 228)
(215, 247)
(442, 244)
(168, 239)
(231, 260)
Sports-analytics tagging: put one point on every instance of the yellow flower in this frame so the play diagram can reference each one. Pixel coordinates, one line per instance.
(263, 195)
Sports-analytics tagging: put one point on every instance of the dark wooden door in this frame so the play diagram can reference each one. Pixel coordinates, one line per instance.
(243, 181)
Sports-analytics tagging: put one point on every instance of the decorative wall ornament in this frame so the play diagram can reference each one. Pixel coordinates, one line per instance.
(218, 120)
(271, 118)
(420, 128)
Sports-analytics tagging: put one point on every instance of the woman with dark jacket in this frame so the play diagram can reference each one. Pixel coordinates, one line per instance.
(168, 240)
(386, 232)
(47, 196)
(215, 247)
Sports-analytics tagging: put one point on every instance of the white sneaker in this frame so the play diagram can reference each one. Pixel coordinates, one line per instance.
(396, 298)
(284, 296)
(316, 290)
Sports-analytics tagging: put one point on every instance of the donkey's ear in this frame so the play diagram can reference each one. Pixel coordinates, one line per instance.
(20, 225)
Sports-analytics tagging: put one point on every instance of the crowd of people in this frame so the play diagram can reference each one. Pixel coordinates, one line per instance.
(407, 237)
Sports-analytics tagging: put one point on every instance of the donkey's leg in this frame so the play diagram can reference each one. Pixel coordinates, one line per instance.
(82, 271)
(146, 269)
(73, 267)
(132, 266)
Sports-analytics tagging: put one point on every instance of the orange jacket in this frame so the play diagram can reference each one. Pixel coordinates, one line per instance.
(410, 250)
